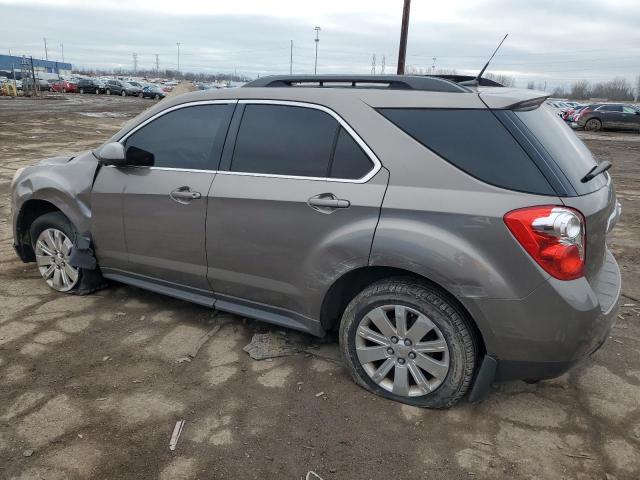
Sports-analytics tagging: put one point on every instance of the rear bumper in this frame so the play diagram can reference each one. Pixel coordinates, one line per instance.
(559, 324)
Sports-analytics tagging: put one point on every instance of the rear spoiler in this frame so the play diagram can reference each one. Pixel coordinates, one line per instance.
(512, 98)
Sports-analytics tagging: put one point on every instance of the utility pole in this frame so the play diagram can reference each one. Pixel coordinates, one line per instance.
(46, 54)
(62, 48)
(157, 63)
(433, 66)
(373, 64)
(178, 45)
(315, 67)
(291, 59)
(383, 64)
(404, 31)
(135, 62)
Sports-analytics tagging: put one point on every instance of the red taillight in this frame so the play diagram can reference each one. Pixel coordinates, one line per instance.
(553, 236)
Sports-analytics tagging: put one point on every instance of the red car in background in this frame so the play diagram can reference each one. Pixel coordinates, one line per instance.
(64, 86)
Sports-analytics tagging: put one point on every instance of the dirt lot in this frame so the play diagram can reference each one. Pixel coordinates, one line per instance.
(91, 387)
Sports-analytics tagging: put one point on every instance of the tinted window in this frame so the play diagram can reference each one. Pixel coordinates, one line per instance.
(566, 149)
(284, 140)
(610, 108)
(189, 137)
(474, 141)
(349, 160)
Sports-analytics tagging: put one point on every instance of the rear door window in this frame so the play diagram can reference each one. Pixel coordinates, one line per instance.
(284, 140)
(349, 160)
(474, 141)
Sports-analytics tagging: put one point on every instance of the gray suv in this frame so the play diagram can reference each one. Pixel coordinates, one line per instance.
(452, 235)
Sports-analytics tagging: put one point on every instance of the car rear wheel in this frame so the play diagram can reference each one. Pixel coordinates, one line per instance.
(108, 92)
(81, 91)
(52, 235)
(593, 125)
(157, 97)
(97, 91)
(141, 94)
(123, 93)
(407, 341)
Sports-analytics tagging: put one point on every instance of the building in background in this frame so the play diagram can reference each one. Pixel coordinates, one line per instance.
(42, 68)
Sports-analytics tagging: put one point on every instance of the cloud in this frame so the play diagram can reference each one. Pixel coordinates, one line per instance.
(554, 41)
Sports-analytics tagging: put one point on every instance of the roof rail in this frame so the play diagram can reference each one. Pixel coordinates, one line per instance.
(482, 82)
(393, 82)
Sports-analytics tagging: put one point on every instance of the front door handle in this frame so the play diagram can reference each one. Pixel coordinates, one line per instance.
(184, 195)
(327, 203)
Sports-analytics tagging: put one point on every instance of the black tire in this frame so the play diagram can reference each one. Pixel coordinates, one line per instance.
(97, 91)
(89, 280)
(107, 91)
(81, 91)
(141, 95)
(452, 322)
(593, 125)
(157, 97)
(123, 93)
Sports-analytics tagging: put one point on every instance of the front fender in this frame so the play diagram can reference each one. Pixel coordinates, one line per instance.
(65, 185)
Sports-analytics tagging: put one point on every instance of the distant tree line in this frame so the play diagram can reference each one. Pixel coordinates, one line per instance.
(617, 89)
(190, 76)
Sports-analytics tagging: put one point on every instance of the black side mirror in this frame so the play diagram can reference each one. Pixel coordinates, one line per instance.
(114, 154)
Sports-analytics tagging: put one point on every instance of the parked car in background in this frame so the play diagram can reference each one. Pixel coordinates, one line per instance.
(90, 85)
(570, 113)
(120, 87)
(153, 91)
(64, 86)
(611, 116)
(137, 84)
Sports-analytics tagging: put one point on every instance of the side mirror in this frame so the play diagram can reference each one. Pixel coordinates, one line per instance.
(112, 154)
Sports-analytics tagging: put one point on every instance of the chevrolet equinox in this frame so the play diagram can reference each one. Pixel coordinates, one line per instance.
(452, 235)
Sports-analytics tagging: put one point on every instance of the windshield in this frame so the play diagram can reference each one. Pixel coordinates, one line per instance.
(566, 149)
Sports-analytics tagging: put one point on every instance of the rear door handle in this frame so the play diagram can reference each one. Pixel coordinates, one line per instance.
(184, 195)
(327, 202)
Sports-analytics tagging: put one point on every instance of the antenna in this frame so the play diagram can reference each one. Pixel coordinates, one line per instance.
(476, 81)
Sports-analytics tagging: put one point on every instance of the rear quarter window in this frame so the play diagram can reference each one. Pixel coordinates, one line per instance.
(474, 141)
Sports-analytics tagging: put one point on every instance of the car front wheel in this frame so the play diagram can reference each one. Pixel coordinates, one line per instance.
(53, 235)
(123, 93)
(409, 342)
(108, 92)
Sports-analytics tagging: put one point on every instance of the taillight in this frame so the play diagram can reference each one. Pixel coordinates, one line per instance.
(553, 236)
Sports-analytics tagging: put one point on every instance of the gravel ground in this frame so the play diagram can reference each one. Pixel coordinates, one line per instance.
(91, 387)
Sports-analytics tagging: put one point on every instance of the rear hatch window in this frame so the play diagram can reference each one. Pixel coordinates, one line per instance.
(571, 156)
(476, 142)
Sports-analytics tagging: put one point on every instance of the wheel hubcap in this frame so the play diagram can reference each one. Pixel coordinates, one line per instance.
(53, 249)
(402, 350)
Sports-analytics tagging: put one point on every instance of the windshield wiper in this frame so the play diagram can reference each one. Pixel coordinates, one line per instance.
(596, 170)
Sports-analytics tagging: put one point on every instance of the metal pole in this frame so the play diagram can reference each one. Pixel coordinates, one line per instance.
(15, 85)
(178, 44)
(46, 54)
(291, 60)
(62, 47)
(315, 66)
(402, 52)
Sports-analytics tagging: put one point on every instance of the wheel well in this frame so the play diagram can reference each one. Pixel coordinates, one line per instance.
(350, 284)
(31, 210)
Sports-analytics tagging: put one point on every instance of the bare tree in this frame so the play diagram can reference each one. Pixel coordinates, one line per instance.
(559, 92)
(616, 89)
(637, 95)
(580, 90)
(531, 85)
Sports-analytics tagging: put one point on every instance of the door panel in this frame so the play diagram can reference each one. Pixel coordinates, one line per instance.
(165, 236)
(266, 244)
(107, 228)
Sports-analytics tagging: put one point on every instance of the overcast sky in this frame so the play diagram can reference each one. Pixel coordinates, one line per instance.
(557, 41)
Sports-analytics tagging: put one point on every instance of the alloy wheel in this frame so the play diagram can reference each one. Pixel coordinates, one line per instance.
(402, 350)
(53, 248)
